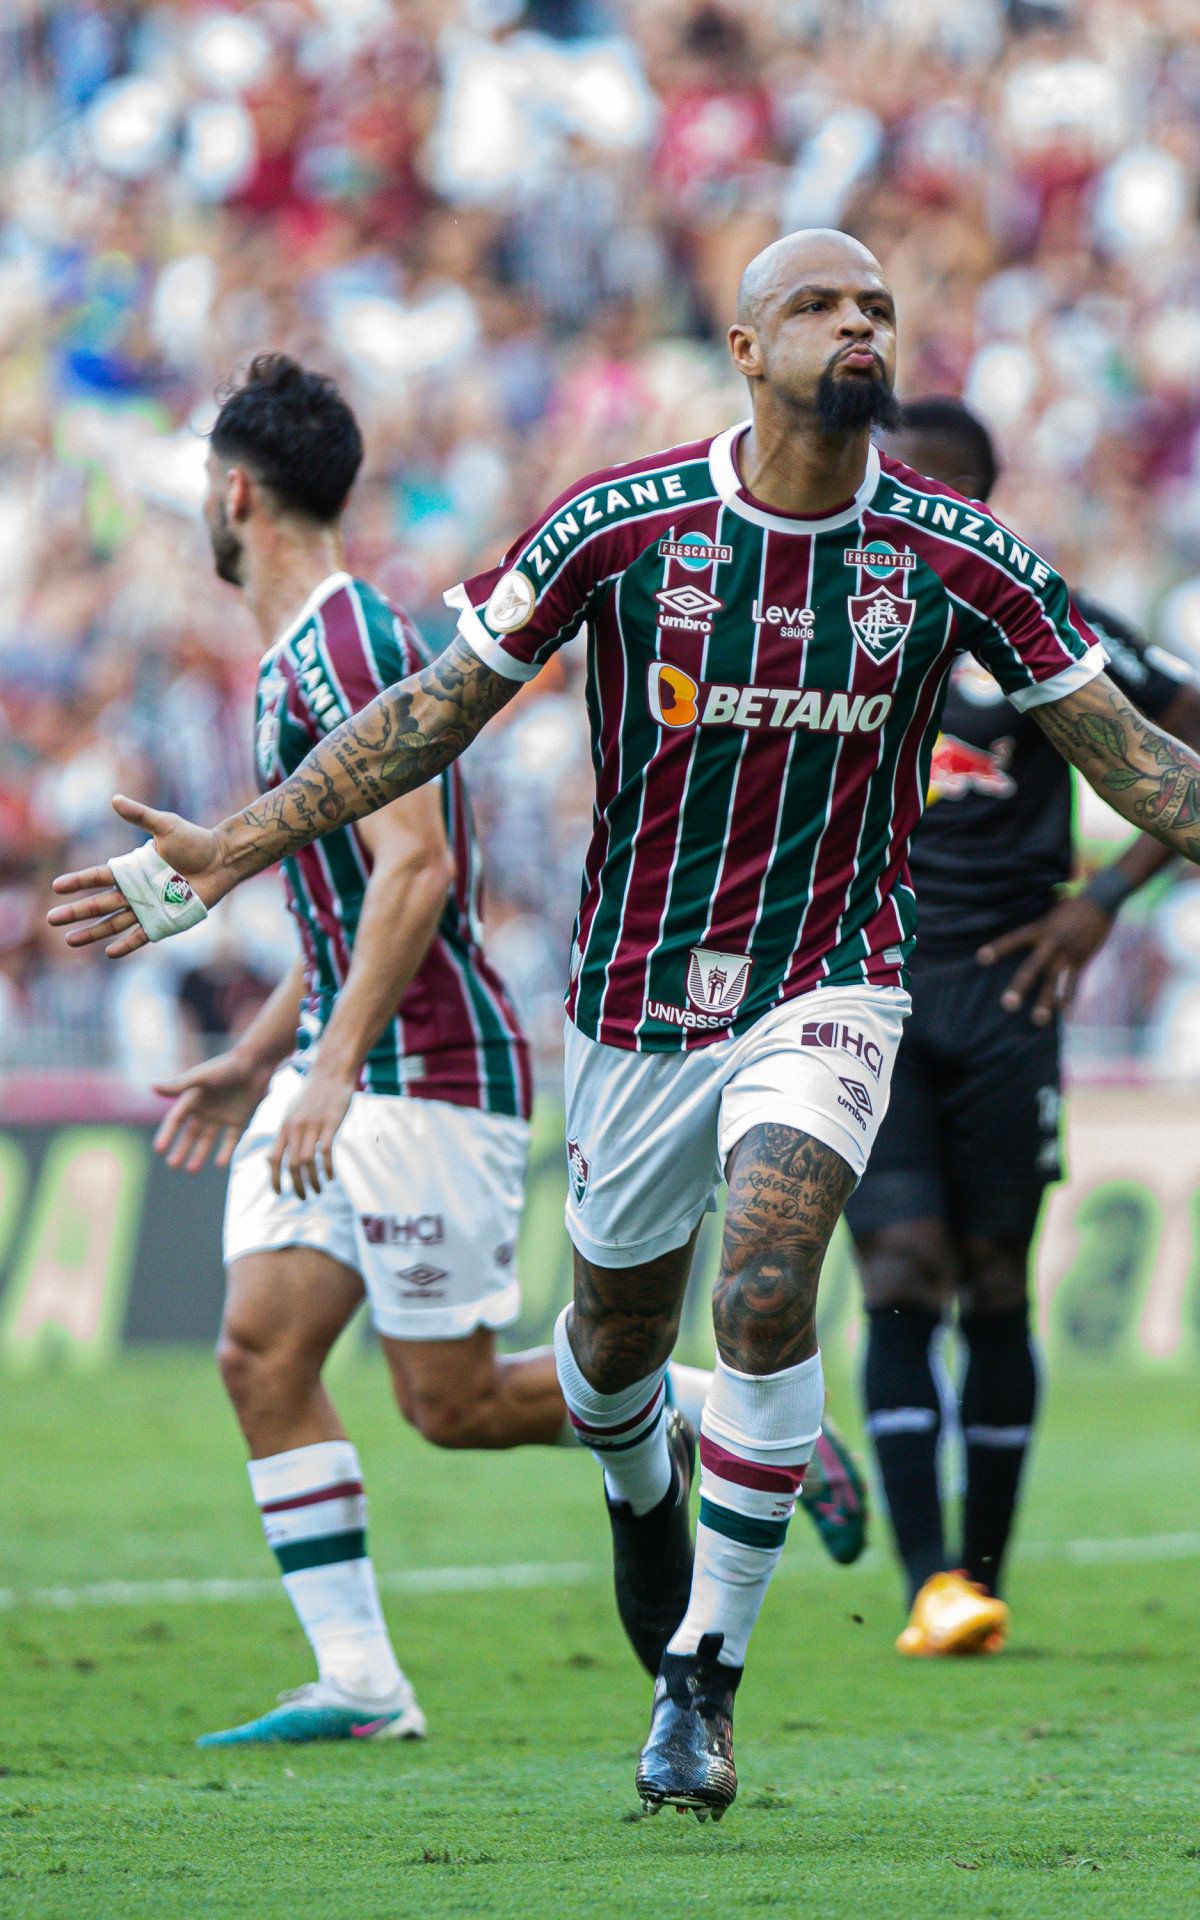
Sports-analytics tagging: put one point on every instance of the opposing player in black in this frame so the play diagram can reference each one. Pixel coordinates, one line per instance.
(946, 1210)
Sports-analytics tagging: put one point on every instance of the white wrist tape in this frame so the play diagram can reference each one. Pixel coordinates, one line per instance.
(161, 898)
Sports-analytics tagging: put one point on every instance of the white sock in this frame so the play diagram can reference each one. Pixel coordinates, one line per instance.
(757, 1434)
(689, 1390)
(314, 1516)
(624, 1431)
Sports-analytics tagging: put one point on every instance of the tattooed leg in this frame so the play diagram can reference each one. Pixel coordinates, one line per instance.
(762, 1417)
(786, 1192)
(624, 1320)
(611, 1347)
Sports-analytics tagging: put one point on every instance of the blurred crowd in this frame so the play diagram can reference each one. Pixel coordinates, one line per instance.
(514, 233)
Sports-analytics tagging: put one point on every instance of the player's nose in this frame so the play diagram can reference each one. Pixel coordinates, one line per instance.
(853, 323)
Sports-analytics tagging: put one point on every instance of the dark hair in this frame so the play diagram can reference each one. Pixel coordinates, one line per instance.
(295, 431)
(951, 420)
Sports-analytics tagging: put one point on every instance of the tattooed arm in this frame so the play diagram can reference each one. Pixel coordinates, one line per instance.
(403, 739)
(1147, 775)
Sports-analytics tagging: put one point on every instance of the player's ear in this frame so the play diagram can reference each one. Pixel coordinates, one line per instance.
(746, 351)
(239, 494)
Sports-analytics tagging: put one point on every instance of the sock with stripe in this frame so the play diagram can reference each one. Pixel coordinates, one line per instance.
(999, 1400)
(624, 1431)
(314, 1516)
(904, 1420)
(757, 1434)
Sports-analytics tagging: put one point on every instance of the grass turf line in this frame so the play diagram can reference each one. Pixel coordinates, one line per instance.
(1058, 1779)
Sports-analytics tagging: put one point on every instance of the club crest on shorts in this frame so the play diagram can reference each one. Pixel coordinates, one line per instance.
(880, 620)
(717, 982)
(578, 1167)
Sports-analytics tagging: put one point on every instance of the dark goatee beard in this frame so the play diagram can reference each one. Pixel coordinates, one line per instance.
(842, 406)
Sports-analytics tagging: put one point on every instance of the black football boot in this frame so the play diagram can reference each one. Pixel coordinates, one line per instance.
(688, 1759)
(652, 1553)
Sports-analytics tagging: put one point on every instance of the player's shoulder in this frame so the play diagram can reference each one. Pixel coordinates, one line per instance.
(666, 478)
(390, 629)
(948, 524)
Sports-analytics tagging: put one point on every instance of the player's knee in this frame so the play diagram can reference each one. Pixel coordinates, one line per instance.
(909, 1266)
(994, 1276)
(450, 1420)
(256, 1376)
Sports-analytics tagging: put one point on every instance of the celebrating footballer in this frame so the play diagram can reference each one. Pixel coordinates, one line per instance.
(771, 619)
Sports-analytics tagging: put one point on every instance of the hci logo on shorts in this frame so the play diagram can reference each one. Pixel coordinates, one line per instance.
(579, 1168)
(717, 982)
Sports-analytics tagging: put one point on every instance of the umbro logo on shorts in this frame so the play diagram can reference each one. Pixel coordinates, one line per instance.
(859, 1099)
(422, 1278)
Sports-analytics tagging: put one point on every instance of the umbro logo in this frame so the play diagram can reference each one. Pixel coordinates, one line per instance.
(857, 1092)
(689, 608)
(421, 1276)
(859, 1102)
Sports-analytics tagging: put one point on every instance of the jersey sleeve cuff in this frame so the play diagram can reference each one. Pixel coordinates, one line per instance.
(1044, 692)
(480, 641)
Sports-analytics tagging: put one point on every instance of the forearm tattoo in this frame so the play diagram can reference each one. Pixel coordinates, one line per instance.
(403, 739)
(786, 1193)
(1147, 775)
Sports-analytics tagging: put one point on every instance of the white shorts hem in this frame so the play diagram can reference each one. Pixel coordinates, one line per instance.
(293, 1241)
(451, 1323)
(602, 1255)
(811, 1120)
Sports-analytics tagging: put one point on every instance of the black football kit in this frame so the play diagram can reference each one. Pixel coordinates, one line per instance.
(971, 1131)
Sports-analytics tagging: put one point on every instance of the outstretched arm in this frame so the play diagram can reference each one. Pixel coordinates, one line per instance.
(1059, 945)
(1145, 774)
(404, 738)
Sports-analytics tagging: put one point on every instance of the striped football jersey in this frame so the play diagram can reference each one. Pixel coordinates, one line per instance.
(455, 1035)
(764, 693)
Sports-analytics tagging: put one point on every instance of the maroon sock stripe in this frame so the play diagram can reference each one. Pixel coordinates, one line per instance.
(605, 1433)
(344, 1490)
(749, 1473)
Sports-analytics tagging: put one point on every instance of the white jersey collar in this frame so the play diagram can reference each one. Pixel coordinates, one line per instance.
(728, 484)
(330, 585)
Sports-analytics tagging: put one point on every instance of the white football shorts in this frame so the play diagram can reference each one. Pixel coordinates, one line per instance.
(648, 1134)
(425, 1203)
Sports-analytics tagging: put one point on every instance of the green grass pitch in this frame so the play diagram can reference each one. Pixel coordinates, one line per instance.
(1060, 1778)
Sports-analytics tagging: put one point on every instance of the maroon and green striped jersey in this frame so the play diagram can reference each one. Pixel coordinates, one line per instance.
(764, 694)
(454, 1035)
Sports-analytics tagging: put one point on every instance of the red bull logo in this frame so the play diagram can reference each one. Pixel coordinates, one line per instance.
(959, 768)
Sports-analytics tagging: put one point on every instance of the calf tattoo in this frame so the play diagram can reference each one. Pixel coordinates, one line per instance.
(404, 738)
(786, 1192)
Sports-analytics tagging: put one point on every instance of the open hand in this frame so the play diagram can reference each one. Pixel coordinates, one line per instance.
(213, 1104)
(305, 1140)
(1061, 943)
(192, 851)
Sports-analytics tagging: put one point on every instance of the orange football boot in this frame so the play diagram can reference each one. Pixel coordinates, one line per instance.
(952, 1614)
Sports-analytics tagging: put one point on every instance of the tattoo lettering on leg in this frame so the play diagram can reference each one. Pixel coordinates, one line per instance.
(786, 1192)
(624, 1320)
